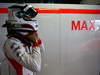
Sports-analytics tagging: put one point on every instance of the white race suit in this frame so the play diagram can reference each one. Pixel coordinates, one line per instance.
(26, 60)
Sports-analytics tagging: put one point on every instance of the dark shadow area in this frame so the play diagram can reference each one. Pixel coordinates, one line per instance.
(94, 2)
(42, 1)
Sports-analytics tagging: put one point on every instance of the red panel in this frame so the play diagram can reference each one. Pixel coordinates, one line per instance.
(3, 10)
(60, 11)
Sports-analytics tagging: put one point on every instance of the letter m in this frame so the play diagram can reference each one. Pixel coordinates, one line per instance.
(75, 26)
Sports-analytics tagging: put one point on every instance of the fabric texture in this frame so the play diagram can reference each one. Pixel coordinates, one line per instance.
(22, 56)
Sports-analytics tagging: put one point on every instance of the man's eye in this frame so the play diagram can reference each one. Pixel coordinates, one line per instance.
(36, 25)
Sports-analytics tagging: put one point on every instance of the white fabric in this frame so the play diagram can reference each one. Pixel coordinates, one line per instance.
(30, 59)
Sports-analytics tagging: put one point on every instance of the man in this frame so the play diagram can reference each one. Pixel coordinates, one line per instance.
(23, 47)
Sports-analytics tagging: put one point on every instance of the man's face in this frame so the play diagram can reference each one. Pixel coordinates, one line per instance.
(33, 36)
